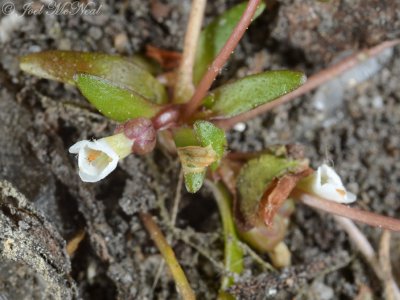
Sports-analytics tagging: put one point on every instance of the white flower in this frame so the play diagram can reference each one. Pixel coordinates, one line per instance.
(98, 158)
(326, 183)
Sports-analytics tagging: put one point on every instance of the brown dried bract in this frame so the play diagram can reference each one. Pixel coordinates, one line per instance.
(277, 192)
(167, 59)
(195, 159)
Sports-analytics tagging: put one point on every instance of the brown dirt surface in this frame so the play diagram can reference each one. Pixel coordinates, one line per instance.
(352, 123)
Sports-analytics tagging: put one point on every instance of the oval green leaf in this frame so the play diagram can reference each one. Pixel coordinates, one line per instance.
(249, 92)
(209, 134)
(194, 181)
(214, 37)
(63, 65)
(115, 102)
(255, 177)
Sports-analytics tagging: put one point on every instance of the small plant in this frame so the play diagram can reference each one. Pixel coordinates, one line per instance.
(254, 191)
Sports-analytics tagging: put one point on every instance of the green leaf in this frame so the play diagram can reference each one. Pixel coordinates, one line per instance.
(196, 153)
(255, 177)
(209, 134)
(194, 181)
(198, 148)
(115, 102)
(215, 35)
(249, 92)
(146, 64)
(126, 72)
(184, 137)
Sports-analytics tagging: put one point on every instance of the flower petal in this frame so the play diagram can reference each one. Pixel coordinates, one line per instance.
(96, 159)
(326, 183)
(86, 177)
(77, 146)
(103, 146)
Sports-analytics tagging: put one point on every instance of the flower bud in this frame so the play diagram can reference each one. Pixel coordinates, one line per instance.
(141, 131)
(98, 158)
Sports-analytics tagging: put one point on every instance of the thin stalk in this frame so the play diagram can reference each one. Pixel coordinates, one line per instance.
(361, 243)
(233, 254)
(177, 199)
(381, 267)
(221, 59)
(74, 243)
(391, 288)
(169, 256)
(174, 214)
(257, 258)
(183, 236)
(184, 86)
(355, 214)
(313, 82)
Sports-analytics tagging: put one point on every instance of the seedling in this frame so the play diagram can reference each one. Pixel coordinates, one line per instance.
(253, 191)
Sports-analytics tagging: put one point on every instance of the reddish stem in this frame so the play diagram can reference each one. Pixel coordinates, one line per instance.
(220, 60)
(313, 82)
(166, 118)
(355, 214)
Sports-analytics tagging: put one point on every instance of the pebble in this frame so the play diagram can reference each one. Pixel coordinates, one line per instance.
(95, 33)
(322, 291)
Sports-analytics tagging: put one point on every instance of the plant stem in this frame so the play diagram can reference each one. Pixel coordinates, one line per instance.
(166, 251)
(382, 267)
(177, 199)
(361, 242)
(184, 86)
(355, 214)
(313, 82)
(233, 254)
(391, 288)
(221, 59)
(166, 118)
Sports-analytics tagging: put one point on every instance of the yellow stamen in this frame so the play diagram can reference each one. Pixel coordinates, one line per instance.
(93, 155)
(341, 192)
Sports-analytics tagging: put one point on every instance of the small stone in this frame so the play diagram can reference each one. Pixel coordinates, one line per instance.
(23, 225)
(239, 127)
(64, 44)
(322, 291)
(121, 42)
(95, 33)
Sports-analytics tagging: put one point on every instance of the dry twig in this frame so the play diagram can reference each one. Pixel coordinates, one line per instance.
(174, 214)
(166, 251)
(381, 267)
(391, 289)
(361, 242)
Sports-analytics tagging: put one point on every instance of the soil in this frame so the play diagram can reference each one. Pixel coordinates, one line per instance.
(352, 123)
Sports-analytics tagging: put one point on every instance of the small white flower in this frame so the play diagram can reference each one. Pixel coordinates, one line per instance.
(98, 158)
(326, 183)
